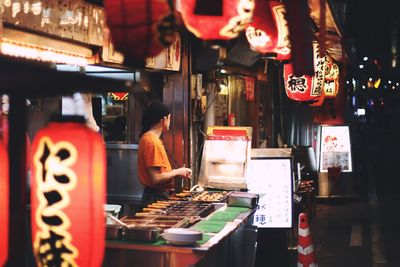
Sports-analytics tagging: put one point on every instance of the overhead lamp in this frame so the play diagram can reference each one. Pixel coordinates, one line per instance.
(365, 58)
(363, 87)
(389, 82)
(361, 66)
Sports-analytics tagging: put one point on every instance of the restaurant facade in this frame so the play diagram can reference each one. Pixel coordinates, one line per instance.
(62, 60)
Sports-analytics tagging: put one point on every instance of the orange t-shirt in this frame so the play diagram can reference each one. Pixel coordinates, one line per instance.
(152, 154)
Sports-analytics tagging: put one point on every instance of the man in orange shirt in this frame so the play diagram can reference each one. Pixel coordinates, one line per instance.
(154, 169)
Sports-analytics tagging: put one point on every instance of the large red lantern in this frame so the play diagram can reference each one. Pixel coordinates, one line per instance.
(4, 208)
(216, 19)
(68, 193)
(140, 28)
(268, 32)
(306, 88)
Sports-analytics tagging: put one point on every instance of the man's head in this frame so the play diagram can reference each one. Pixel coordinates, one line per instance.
(153, 114)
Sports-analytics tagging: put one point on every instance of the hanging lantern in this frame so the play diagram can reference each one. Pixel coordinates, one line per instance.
(331, 85)
(216, 19)
(283, 47)
(268, 33)
(4, 208)
(68, 194)
(140, 28)
(306, 88)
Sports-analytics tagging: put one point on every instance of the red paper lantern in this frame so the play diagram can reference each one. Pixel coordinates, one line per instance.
(268, 32)
(68, 194)
(306, 88)
(4, 195)
(283, 47)
(140, 28)
(216, 19)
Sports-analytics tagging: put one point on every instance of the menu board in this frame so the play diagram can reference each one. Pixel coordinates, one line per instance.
(335, 148)
(272, 179)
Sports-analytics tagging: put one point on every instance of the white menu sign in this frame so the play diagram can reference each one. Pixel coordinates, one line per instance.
(335, 148)
(272, 179)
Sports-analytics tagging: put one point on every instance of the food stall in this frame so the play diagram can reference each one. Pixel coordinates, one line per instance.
(221, 218)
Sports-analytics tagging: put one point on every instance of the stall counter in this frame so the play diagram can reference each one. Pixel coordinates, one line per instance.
(221, 249)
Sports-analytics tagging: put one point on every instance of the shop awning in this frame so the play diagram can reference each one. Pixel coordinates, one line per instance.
(33, 78)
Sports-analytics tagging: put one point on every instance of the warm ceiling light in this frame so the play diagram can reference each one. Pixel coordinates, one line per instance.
(27, 51)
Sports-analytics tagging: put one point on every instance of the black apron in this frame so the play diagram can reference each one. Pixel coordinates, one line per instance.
(152, 195)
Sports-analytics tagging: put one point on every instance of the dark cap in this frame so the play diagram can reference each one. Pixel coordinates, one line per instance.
(152, 114)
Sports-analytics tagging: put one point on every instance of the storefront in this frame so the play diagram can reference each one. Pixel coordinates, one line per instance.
(52, 58)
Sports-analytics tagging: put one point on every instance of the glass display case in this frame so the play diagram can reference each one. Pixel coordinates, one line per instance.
(225, 158)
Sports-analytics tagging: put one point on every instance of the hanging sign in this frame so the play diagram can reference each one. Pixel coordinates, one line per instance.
(331, 84)
(4, 196)
(67, 194)
(76, 20)
(216, 19)
(306, 88)
(249, 81)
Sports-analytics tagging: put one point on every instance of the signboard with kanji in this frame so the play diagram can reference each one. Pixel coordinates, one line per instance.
(272, 179)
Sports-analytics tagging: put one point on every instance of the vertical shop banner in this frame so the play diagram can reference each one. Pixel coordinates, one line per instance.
(67, 194)
(4, 201)
(335, 148)
(216, 19)
(331, 84)
(250, 82)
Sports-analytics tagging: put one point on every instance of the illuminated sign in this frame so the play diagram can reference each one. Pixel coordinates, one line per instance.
(335, 148)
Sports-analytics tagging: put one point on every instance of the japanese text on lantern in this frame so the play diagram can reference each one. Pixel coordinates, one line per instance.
(297, 84)
(319, 72)
(55, 178)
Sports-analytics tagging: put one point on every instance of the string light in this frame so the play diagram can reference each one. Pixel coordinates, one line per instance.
(18, 49)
